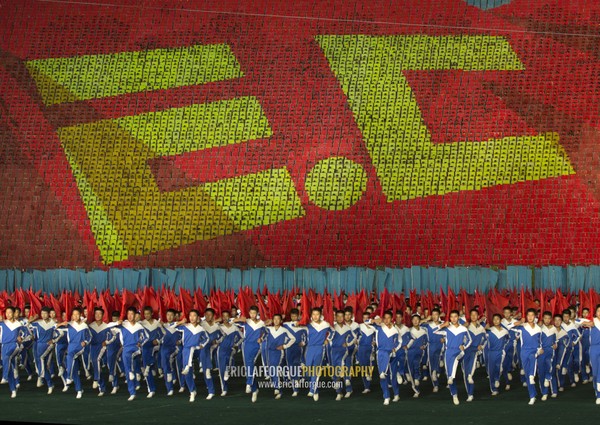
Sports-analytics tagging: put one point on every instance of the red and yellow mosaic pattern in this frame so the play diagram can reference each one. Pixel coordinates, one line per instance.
(188, 134)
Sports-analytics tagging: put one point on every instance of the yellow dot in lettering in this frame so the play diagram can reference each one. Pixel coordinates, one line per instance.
(336, 183)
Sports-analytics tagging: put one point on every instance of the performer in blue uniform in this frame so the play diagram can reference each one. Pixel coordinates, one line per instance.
(339, 340)
(24, 357)
(150, 349)
(294, 355)
(352, 348)
(508, 322)
(193, 339)
(227, 348)
(494, 352)
(560, 357)
(254, 330)
(114, 362)
(318, 333)
(169, 348)
(594, 327)
(43, 332)
(404, 337)
(573, 350)
(456, 340)
(213, 330)
(78, 336)
(366, 350)
(12, 333)
(416, 349)
(472, 352)
(278, 339)
(434, 348)
(388, 344)
(546, 359)
(585, 345)
(101, 336)
(132, 335)
(530, 336)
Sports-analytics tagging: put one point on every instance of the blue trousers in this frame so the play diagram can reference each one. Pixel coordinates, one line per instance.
(250, 353)
(452, 358)
(545, 369)
(413, 357)
(274, 359)
(434, 353)
(595, 363)
(493, 363)
(293, 359)
(388, 368)
(206, 360)
(189, 354)
(97, 355)
(364, 357)
(114, 362)
(585, 358)
(168, 363)
(469, 365)
(9, 366)
(529, 365)
(224, 362)
(507, 364)
(314, 359)
(43, 360)
(131, 365)
(74, 358)
(148, 362)
(337, 359)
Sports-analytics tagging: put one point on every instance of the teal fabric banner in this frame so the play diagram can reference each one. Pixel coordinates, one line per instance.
(352, 279)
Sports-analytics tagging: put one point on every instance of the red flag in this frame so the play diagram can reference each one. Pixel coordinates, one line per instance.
(274, 304)
(35, 304)
(465, 299)
(56, 305)
(68, 303)
(128, 300)
(288, 303)
(186, 302)
(117, 300)
(215, 301)
(262, 307)
(105, 303)
(327, 308)
(19, 296)
(140, 296)
(162, 307)
(451, 302)
(172, 300)
(3, 304)
(400, 305)
(317, 300)
(385, 303)
(352, 301)
(444, 302)
(89, 302)
(594, 300)
(542, 306)
(305, 306)
(152, 300)
(493, 306)
(244, 301)
(363, 300)
(413, 300)
(199, 302)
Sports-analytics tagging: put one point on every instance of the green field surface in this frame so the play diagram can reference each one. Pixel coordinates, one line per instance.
(574, 406)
